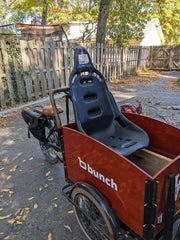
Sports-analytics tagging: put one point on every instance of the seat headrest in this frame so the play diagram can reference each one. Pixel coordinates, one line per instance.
(82, 60)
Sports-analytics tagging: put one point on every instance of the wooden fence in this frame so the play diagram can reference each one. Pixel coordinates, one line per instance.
(165, 58)
(29, 70)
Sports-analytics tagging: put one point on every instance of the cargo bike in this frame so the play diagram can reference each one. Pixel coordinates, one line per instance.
(122, 169)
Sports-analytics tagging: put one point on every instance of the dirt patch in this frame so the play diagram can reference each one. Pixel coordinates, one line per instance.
(142, 78)
(173, 85)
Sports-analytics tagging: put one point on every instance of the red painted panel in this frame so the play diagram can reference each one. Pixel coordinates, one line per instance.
(121, 181)
(164, 138)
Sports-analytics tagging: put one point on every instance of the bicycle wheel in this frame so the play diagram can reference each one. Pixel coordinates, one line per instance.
(52, 154)
(102, 222)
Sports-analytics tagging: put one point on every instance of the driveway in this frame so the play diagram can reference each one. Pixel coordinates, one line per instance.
(31, 203)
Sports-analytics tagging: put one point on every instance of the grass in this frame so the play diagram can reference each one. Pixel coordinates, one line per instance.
(178, 81)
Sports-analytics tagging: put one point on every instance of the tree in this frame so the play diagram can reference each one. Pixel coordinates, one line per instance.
(78, 10)
(168, 14)
(5, 10)
(33, 8)
(127, 20)
(102, 20)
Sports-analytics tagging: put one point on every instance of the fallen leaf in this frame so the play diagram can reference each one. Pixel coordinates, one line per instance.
(14, 168)
(17, 212)
(55, 205)
(27, 210)
(166, 107)
(55, 198)
(1, 233)
(48, 173)
(50, 179)
(50, 236)
(4, 190)
(70, 212)
(5, 160)
(18, 223)
(24, 217)
(40, 189)
(1, 209)
(9, 177)
(31, 198)
(5, 217)
(18, 218)
(1, 169)
(24, 160)
(68, 227)
(46, 186)
(6, 237)
(31, 158)
(35, 206)
(12, 221)
(11, 193)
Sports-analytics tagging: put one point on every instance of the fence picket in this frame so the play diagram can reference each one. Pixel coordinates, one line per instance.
(33, 67)
(19, 81)
(55, 64)
(44, 60)
(8, 74)
(66, 65)
(2, 87)
(47, 65)
(26, 68)
(61, 71)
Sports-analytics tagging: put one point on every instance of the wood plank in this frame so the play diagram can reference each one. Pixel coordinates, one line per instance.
(66, 66)
(8, 73)
(41, 50)
(149, 161)
(98, 56)
(26, 65)
(55, 64)
(107, 62)
(33, 69)
(19, 81)
(101, 59)
(60, 63)
(2, 87)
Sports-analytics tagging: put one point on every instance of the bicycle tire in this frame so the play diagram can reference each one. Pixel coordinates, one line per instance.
(101, 208)
(49, 152)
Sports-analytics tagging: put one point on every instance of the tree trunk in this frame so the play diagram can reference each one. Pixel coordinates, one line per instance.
(102, 21)
(44, 13)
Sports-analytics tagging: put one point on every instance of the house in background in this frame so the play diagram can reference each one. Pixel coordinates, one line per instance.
(79, 32)
(86, 32)
(153, 34)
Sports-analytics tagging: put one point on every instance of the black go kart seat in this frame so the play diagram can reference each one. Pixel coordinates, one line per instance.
(95, 109)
